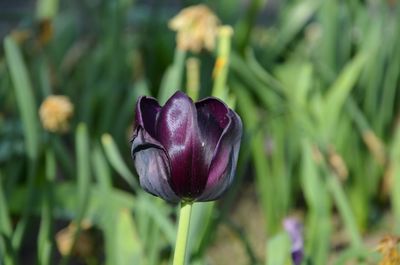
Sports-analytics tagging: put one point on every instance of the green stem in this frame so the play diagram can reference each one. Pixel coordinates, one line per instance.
(345, 210)
(220, 72)
(23, 224)
(193, 77)
(183, 229)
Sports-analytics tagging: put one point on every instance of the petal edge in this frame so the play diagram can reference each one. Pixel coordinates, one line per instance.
(223, 165)
(152, 165)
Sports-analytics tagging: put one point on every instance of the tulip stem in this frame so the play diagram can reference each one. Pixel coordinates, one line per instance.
(183, 232)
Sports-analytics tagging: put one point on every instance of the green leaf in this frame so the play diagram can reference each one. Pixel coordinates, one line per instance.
(279, 250)
(264, 181)
(5, 222)
(5, 229)
(395, 163)
(45, 237)
(353, 256)
(318, 200)
(159, 215)
(83, 168)
(339, 91)
(294, 21)
(344, 208)
(101, 168)
(24, 96)
(114, 157)
(128, 244)
(83, 182)
(268, 97)
(202, 214)
(172, 79)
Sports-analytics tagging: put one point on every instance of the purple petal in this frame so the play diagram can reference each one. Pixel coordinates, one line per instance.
(152, 165)
(212, 117)
(147, 111)
(297, 256)
(178, 132)
(295, 230)
(223, 165)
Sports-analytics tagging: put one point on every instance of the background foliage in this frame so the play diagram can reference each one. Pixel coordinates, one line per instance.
(315, 82)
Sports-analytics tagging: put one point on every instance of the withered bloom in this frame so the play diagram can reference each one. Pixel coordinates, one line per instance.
(55, 113)
(185, 150)
(196, 27)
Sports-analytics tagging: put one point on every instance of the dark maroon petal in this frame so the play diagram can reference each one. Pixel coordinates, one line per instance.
(212, 117)
(223, 165)
(185, 150)
(152, 165)
(147, 110)
(178, 132)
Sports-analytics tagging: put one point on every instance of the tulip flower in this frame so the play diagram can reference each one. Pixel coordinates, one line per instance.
(185, 151)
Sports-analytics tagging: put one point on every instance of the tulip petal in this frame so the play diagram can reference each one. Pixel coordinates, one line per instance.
(152, 165)
(147, 111)
(223, 165)
(212, 119)
(177, 130)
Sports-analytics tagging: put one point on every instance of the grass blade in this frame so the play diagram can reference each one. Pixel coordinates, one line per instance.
(295, 20)
(83, 182)
(319, 225)
(395, 168)
(5, 222)
(341, 201)
(24, 96)
(114, 157)
(5, 228)
(339, 91)
(128, 243)
(172, 79)
(101, 169)
(160, 217)
(83, 168)
(278, 250)
(45, 230)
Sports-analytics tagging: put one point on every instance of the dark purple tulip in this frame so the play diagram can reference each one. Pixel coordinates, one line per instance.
(185, 150)
(295, 230)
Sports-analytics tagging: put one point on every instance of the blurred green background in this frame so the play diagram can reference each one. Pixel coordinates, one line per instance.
(316, 83)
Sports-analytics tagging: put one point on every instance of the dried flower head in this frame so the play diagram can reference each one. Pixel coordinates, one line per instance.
(84, 245)
(46, 31)
(197, 28)
(338, 164)
(375, 146)
(55, 113)
(388, 247)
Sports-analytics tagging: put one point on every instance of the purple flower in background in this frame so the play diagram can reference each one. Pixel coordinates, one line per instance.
(185, 150)
(295, 230)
